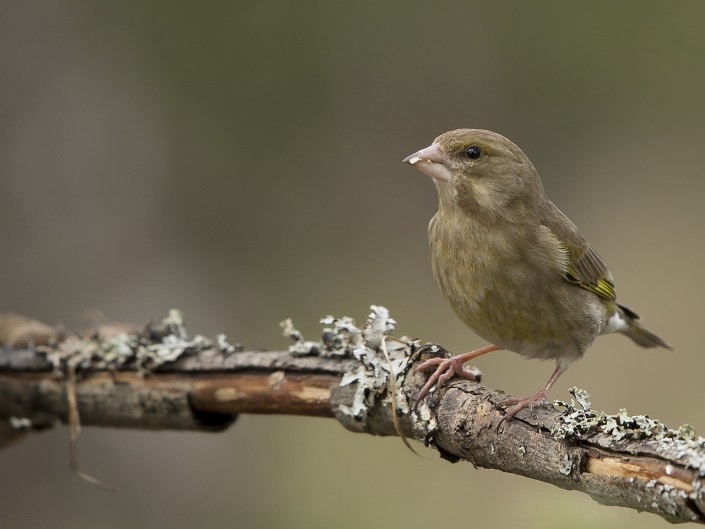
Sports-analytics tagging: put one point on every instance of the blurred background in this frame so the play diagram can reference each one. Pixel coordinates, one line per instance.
(241, 161)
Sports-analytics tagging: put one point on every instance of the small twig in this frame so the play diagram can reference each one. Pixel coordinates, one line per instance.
(74, 423)
(393, 391)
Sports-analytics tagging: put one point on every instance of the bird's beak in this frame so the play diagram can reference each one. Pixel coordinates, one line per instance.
(432, 160)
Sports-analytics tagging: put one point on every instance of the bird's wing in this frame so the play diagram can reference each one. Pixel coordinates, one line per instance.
(586, 268)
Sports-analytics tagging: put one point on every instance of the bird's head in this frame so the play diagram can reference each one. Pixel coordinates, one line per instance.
(481, 172)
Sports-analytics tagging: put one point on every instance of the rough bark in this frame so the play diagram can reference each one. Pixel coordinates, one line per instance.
(199, 392)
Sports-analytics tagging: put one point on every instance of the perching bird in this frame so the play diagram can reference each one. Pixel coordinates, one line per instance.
(512, 266)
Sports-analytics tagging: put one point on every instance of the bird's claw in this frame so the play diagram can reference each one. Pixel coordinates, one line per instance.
(446, 368)
(514, 405)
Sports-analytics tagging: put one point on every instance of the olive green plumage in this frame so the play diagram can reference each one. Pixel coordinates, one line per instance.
(510, 264)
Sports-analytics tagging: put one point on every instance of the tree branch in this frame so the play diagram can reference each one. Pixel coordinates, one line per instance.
(139, 381)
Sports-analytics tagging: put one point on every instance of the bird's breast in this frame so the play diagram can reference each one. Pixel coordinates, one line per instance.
(471, 261)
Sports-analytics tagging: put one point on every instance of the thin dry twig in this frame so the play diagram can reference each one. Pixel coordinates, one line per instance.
(74, 423)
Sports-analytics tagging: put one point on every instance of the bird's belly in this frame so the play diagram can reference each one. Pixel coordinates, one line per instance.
(511, 306)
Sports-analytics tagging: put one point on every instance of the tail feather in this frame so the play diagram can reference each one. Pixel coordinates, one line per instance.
(636, 331)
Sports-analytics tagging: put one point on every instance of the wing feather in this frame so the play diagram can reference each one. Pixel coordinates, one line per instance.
(586, 268)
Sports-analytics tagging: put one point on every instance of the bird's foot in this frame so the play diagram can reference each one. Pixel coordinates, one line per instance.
(514, 405)
(447, 367)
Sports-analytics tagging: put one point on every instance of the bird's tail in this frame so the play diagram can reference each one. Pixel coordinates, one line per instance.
(636, 331)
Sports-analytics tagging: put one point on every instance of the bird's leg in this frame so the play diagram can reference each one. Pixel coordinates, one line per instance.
(447, 367)
(514, 405)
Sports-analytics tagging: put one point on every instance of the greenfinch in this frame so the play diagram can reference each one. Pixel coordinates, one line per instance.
(512, 266)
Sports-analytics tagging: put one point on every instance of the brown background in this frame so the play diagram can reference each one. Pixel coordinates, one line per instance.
(241, 161)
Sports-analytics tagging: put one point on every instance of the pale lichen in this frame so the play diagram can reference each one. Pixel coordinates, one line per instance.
(637, 434)
(342, 337)
(566, 466)
(379, 354)
(581, 396)
(620, 426)
(301, 347)
(156, 345)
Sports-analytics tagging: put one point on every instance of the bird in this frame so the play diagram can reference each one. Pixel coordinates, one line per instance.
(511, 265)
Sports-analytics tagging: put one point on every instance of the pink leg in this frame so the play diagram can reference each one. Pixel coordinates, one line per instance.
(447, 367)
(514, 405)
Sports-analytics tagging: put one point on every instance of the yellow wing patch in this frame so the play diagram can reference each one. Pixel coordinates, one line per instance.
(602, 287)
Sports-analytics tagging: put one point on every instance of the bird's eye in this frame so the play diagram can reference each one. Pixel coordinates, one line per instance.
(473, 152)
